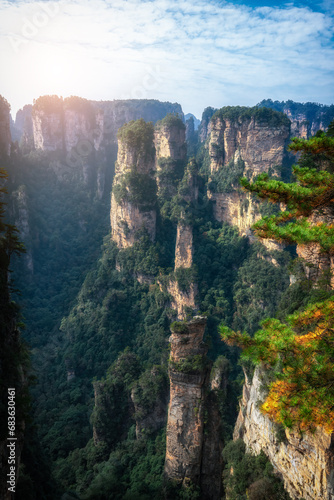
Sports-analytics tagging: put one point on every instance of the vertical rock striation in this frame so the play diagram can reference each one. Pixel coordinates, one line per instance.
(132, 206)
(243, 142)
(184, 294)
(191, 456)
(5, 135)
(305, 461)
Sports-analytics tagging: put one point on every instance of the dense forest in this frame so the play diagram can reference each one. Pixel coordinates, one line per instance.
(98, 317)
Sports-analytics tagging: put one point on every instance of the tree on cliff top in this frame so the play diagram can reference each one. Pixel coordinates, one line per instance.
(300, 351)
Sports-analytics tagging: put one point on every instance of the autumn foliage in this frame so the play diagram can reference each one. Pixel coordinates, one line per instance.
(301, 354)
(299, 351)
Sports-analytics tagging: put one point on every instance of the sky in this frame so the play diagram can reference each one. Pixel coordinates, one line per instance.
(196, 52)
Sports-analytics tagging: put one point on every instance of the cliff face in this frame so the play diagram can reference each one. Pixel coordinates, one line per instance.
(5, 135)
(127, 216)
(184, 246)
(259, 144)
(186, 460)
(24, 128)
(144, 152)
(170, 141)
(48, 130)
(184, 294)
(245, 146)
(183, 299)
(306, 118)
(237, 209)
(63, 126)
(304, 461)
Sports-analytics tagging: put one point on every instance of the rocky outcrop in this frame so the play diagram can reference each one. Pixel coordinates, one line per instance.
(182, 287)
(306, 118)
(184, 246)
(5, 135)
(236, 208)
(242, 143)
(183, 301)
(62, 124)
(258, 142)
(171, 152)
(203, 128)
(134, 172)
(305, 461)
(142, 152)
(191, 455)
(24, 132)
(170, 138)
(183, 298)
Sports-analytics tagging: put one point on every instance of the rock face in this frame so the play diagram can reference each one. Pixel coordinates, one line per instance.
(5, 135)
(258, 143)
(143, 152)
(61, 124)
(236, 208)
(183, 300)
(304, 461)
(306, 119)
(242, 146)
(170, 140)
(24, 128)
(191, 454)
(184, 246)
(136, 158)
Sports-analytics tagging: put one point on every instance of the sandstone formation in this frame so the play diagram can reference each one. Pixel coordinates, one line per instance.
(193, 452)
(126, 215)
(5, 135)
(306, 118)
(305, 461)
(183, 301)
(243, 146)
(143, 155)
(261, 145)
(235, 208)
(58, 124)
(184, 246)
(170, 139)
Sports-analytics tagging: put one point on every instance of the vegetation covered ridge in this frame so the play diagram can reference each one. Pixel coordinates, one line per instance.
(268, 116)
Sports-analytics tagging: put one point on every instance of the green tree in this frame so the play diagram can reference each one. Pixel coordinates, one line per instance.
(299, 350)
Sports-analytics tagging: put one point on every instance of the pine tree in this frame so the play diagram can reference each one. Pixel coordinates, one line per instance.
(300, 350)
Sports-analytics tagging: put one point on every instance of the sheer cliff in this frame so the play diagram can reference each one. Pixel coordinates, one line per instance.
(305, 460)
(306, 118)
(190, 417)
(5, 135)
(243, 142)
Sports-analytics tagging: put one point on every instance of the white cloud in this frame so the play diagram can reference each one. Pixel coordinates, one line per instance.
(210, 52)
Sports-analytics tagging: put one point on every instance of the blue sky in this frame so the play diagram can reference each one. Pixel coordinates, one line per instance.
(196, 52)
